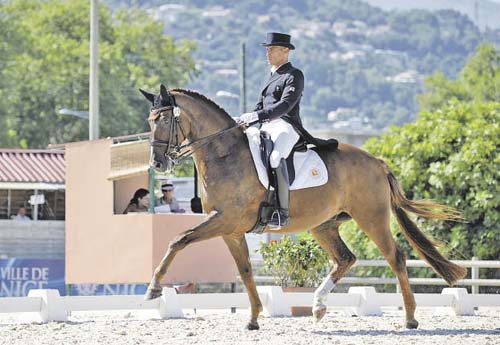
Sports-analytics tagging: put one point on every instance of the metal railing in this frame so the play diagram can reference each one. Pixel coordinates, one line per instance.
(474, 281)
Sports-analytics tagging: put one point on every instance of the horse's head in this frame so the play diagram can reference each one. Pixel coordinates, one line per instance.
(166, 131)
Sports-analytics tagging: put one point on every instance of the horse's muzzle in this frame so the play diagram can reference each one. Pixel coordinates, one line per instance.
(163, 165)
(156, 165)
(157, 160)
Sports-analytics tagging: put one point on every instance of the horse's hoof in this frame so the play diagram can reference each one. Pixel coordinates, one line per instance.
(319, 313)
(412, 324)
(152, 293)
(253, 326)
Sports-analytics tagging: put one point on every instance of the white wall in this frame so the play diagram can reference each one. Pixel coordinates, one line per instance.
(32, 239)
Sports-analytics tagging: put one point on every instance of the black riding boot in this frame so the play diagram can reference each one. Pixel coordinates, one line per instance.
(280, 216)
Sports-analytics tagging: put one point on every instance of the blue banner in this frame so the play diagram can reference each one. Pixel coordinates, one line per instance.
(108, 289)
(18, 276)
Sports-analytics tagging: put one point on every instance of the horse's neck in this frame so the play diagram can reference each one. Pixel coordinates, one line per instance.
(206, 121)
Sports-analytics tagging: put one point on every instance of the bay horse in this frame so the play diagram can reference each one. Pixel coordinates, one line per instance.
(360, 187)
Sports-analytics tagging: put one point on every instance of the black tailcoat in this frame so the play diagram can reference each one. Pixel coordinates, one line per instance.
(280, 96)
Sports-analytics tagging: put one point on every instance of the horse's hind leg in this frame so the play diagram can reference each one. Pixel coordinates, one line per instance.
(239, 249)
(378, 230)
(210, 228)
(327, 235)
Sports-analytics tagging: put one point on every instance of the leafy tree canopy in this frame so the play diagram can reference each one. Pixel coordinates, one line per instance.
(478, 81)
(45, 67)
(450, 154)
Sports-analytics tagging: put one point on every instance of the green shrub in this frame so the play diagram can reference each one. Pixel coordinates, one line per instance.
(295, 263)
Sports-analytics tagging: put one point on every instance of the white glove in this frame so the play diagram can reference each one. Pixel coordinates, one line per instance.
(248, 118)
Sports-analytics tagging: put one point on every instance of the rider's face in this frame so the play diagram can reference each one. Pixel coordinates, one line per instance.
(276, 55)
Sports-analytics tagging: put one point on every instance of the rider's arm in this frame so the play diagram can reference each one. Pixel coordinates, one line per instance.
(259, 104)
(294, 86)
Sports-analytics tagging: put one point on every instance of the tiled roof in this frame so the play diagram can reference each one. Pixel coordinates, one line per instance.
(46, 166)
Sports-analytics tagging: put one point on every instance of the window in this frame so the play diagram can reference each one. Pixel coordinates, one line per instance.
(54, 207)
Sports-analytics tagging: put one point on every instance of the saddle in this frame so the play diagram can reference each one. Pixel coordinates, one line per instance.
(266, 145)
(308, 168)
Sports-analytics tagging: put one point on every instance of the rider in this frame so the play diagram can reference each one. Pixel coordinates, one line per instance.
(276, 110)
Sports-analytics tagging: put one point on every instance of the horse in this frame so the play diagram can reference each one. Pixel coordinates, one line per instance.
(360, 187)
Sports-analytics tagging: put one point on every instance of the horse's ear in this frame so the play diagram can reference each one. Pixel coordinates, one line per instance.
(164, 92)
(149, 96)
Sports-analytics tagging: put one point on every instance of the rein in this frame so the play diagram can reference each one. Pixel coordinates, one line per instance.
(175, 154)
(202, 142)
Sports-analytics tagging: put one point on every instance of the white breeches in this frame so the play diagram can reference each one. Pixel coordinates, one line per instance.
(284, 138)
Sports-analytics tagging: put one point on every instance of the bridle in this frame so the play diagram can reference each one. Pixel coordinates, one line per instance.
(171, 149)
(174, 151)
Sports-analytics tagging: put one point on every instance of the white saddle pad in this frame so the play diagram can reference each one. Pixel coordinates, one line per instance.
(310, 170)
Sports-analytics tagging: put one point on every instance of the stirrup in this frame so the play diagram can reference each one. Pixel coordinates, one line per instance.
(282, 220)
(275, 226)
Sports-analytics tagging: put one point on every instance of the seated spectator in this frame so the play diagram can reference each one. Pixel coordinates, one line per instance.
(21, 214)
(139, 203)
(167, 188)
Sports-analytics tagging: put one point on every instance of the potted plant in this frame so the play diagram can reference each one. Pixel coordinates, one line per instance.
(297, 265)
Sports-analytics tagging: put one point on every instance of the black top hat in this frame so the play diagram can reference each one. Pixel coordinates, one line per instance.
(278, 39)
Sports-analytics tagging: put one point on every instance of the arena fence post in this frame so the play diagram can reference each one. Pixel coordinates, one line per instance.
(52, 306)
(368, 305)
(170, 305)
(274, 301)
(462, 303)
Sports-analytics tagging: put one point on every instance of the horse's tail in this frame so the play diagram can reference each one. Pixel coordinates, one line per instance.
(424, 208)
(425, 248)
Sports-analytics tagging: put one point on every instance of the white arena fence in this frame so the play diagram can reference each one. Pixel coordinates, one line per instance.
(475, 282)
(48, 305)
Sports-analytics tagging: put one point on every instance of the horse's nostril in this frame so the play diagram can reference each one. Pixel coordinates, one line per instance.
(157, 165)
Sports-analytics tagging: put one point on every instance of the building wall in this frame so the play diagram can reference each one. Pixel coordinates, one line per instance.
(103, 247)
(32, 240)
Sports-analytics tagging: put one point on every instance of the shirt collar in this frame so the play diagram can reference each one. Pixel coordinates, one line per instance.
(274, 69)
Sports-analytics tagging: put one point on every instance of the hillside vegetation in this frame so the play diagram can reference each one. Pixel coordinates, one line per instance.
(363, 66)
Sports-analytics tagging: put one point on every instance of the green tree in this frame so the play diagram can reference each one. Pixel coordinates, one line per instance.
(46, 69)
(450, 154)
(479, 81)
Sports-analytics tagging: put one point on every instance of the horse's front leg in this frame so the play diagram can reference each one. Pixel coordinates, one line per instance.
(210, 228)
(238, 247)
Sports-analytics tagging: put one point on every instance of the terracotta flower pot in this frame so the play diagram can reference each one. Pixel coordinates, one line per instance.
(300, 310)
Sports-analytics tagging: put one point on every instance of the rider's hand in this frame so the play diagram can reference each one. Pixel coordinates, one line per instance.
(248, 118)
